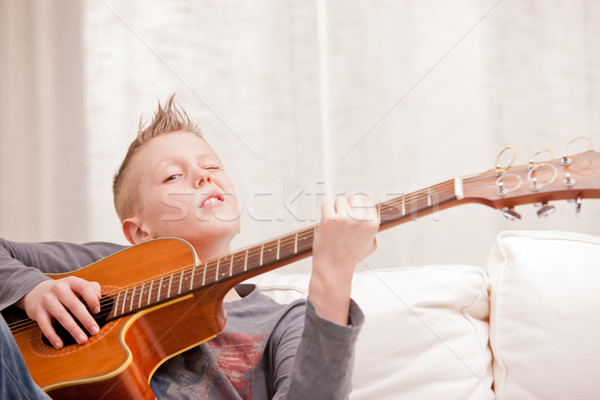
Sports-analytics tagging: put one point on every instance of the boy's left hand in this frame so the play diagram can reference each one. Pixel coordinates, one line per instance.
(344, 238)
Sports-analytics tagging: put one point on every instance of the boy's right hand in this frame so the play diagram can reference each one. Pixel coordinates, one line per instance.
(50, 300)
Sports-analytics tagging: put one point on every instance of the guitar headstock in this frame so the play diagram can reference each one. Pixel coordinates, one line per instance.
(573, 177)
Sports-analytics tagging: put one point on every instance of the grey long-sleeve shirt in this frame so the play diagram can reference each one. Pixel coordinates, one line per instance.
(267, 350)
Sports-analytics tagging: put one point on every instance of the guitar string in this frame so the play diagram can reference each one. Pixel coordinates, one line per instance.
(211, 266)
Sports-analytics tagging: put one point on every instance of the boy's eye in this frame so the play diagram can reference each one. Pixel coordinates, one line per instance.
(172, 177)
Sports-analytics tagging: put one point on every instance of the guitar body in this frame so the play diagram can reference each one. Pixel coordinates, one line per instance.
(119, 361)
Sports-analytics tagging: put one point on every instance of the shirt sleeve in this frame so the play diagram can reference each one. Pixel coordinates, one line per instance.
(22, 265)
(321, 365)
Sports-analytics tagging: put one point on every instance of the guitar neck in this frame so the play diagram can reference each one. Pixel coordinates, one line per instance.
(271, 254)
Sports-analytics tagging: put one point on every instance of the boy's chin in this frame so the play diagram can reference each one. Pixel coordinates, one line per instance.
(217, 215)
(218, 225)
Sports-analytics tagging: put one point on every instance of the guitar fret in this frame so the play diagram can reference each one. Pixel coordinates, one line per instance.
(204, 274)
(138, 289)
(123, 301)
(141, 293)
(150, 292)
(159, 288)
(296, 243)
(117, 303)
(192, 277)
(180, 282)
(278, 248)
(231, 267)
(403, 207)
(458, 188)
(217, 271)
(132, 297)
(169, 287)
(246, 261)
(262, 249)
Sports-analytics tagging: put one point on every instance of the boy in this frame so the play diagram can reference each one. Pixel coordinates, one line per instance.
(172, 183)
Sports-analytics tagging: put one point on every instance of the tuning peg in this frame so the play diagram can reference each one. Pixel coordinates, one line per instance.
(578, 206)
(569, 180)
(501, 189)
(510, 214)
(565, 160)
(545, 210)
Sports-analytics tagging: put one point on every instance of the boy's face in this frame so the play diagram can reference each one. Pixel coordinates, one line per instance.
(185, 193)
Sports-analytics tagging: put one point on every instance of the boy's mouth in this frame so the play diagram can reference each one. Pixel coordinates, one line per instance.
(213, 199)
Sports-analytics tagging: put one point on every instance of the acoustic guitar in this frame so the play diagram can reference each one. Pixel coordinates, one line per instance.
(158, 299)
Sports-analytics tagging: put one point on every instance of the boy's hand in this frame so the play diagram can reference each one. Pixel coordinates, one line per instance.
(345, 236)
(51, 299)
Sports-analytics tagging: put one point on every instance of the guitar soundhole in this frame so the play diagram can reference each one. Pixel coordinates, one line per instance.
(106, 305)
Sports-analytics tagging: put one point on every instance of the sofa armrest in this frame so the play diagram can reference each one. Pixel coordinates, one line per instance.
(545, 315)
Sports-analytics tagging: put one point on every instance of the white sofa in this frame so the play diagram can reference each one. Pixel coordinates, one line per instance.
(524, 326)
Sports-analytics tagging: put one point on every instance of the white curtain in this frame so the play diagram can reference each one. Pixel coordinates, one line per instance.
(43, 139)
(302, 100)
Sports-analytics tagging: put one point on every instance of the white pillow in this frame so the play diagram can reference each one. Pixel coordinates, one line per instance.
(425, 334)
(545, 315)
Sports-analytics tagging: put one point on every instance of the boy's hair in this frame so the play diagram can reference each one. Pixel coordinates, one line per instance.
(167, 119)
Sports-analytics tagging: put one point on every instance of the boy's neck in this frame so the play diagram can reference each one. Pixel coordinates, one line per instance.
(232, 295)
(205, 252)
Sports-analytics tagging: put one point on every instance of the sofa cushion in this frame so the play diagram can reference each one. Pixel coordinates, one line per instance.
(425, 334)
(545, 315)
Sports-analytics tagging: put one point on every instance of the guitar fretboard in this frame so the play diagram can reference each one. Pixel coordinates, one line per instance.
(208, 273)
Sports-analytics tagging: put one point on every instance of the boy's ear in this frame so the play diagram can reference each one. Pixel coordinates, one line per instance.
(134, 232)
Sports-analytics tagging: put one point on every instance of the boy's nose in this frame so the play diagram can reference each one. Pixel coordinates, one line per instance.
(204, 180)
(202, 177)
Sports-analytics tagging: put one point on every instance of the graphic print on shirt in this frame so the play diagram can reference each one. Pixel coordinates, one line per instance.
(238, 357)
